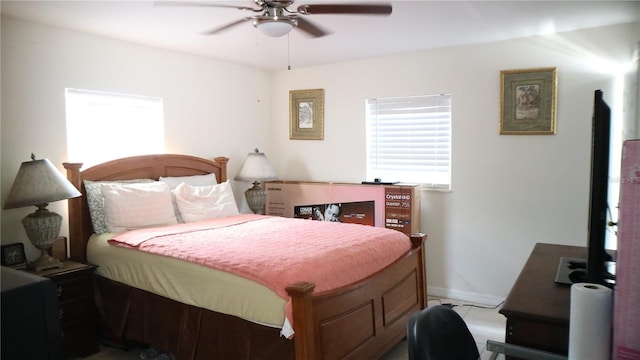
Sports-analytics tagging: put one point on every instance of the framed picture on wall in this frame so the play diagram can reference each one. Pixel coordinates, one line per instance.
(306, 114)
(528, 101)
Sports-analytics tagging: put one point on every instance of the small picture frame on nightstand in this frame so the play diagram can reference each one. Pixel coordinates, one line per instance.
(13, 256)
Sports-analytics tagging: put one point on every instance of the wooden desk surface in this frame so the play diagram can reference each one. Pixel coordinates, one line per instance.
(535, 295)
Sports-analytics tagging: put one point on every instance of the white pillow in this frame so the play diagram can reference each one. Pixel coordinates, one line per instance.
(197, 203)
(195, 180)
(135, 206)
(96, 201)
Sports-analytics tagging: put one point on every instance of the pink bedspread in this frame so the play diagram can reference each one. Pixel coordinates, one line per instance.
(276, 252)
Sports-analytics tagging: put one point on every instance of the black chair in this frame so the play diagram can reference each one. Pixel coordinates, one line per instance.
(439, 333)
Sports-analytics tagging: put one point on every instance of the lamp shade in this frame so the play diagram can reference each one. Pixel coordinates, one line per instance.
(39, 182)
(256, 167)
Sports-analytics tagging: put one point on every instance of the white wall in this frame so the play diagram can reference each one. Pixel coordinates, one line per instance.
(508, 192)
(211, 108)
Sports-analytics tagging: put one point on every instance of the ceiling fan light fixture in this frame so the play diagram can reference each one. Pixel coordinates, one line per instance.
(275, 27)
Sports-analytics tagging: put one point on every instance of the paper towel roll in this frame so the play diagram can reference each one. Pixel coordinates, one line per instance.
(590, 322)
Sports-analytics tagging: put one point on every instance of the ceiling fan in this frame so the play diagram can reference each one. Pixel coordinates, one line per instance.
(277, 19)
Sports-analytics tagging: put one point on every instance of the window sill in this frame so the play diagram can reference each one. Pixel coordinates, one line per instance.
(434, 189)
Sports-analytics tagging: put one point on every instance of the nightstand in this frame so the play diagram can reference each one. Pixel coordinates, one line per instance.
(74, 285)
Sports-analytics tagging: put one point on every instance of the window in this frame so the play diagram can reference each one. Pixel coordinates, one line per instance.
(409, 140)
(104, 126)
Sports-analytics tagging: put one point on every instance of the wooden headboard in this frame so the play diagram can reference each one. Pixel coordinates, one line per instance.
(136, 167)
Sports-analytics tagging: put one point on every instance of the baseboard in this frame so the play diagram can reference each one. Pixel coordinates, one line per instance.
(464, 296)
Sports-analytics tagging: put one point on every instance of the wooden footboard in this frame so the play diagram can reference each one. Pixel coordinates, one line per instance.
(362, 321)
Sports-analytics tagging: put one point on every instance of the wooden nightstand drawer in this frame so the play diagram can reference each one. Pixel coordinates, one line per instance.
(75, 333)
(74, 311)
(75, 288)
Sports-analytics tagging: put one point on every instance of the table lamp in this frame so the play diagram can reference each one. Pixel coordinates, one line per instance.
(39, 183)
(256, 168)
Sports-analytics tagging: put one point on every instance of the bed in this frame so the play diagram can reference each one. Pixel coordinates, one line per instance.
(361, 320)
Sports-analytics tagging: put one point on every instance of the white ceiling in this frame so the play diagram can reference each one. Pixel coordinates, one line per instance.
(413, 26)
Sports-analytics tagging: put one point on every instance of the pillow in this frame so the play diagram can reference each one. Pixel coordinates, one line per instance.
(95, 200)
(197, 203)
(195, 180)
(136, 206)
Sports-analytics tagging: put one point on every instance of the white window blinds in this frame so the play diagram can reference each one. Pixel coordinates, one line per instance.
(409, 140)
(103, 126)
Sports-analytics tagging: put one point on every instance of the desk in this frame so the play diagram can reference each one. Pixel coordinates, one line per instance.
(537, 309)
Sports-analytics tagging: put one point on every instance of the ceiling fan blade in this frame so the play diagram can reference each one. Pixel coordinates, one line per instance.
(310, 28)
(227, 26)
(202, 4)
(363, 9)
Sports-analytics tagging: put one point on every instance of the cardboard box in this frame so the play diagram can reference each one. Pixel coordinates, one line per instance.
(392, 206)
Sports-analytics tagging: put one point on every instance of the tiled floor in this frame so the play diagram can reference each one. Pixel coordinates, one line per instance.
(483, 323)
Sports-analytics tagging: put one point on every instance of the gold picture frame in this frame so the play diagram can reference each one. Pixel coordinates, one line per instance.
(528, 101)
(306, 114)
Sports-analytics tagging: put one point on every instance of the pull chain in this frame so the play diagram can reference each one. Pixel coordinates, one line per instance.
(288, 51)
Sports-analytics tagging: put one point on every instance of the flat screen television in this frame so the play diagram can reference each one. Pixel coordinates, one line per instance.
(597, 267)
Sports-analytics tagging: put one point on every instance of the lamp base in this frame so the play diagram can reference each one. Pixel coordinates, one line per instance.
(256, 198)
(42, 228)
(45, 262)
